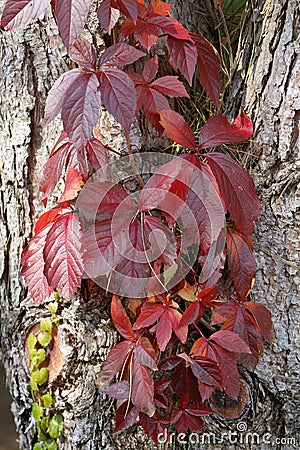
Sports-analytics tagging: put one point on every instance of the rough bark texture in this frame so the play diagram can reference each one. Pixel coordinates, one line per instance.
(31, 60)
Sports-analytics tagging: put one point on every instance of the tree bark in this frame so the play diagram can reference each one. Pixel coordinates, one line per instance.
(266, 84)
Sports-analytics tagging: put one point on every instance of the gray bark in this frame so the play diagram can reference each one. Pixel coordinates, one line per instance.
(31, 60)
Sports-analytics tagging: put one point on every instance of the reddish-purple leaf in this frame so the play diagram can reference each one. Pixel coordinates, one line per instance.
(33, 266)
(119, 390)
(146, 34)
(71, 16)
(107, 15)
(80, 108)
(162, 240)
(241, 263)
(209, 66)
(237, 190)
(53, 169)
(145, 353)
(192, 314)
(152, 426)
(230, 341)
(164, 330)
(263, 318)
(150, 69)
(118, 95)
(119, 55)
(217, 131)
(125, 417)
(170, 86)
(176, 128)
(128, 8)
(121, 319)
(142, 388)
(155, 102)
(183, 57)
(21, 12)
(57, 94)
(73, 185)
(63, 266)
(239, 321)
(82, 52)
(97, 155)
(114, 363)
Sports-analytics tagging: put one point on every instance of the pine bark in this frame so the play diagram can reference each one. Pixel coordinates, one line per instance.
(266, 84)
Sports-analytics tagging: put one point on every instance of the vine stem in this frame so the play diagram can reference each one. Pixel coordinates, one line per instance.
(131, 159)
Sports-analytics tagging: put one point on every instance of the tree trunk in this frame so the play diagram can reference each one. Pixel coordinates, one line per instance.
(265, 84)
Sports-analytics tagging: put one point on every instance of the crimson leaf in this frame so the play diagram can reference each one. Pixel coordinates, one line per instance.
(107, 15)
(121, 319)
(241, 263)
(217, 131)
(176, 128)
(82, 52)
(209, 66)
(237, 190)
(63, 267)
(263, 318)
(120, 54)
(33, 266)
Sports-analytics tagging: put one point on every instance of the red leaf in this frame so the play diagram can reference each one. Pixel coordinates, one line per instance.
(145, 353)
(263, 318)
(158, 8)
(125, 417)
(97, 155)
(53, 169)
(146, 34)
(99, 200)
(170, 26)
(176, 128)
(49, 216)
(63, 267)
(241, 263)
(192, 314)
(150, 313)
(183, 56)
(121, 319)
(152, 426)
(33, 266)
(209, 66)
(225, 359)
(118, 95)
(162, 240)
(142, 388)
(57, 94)
(207, 208)
(107, 15)
(186, 418)
(150, 69)
(164, 330)
(21, 12)
(119, 390)
(71, 16)
(170, 86)
(239, 321)
(80, 108)
(114, 363)
(128, 8)
(230, 341)
(82, 52)
(155, 102)
(119, 55)
(217, 131)
(100, 255)
(73, 185)
(237, 190)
